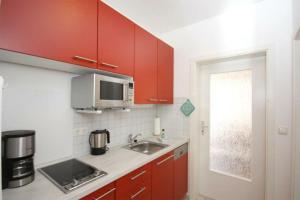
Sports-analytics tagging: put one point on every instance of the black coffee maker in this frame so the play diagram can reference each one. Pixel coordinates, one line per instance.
(98, 140)
(18, 149)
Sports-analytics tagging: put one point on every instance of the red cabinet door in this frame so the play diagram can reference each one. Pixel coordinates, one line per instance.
(163, 178)
(165, 73)
(145, 75)
(115, 41)
(105, 193)
(58, 30)
(181, 177)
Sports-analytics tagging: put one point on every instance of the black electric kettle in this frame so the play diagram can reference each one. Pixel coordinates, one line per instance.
(98, 140)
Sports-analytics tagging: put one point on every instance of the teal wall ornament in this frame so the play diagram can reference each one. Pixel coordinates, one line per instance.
(187, 108)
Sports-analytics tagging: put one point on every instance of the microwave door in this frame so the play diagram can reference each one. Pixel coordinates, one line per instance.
(110, 94)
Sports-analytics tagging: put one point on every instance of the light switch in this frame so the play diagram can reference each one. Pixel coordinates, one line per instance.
(283, 130)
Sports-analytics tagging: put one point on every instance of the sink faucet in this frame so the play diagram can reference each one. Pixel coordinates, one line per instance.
(133, 139)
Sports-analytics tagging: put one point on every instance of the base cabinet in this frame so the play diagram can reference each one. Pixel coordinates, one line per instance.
(180, 173)
(163, 179)
(108, 192)
(135, 185)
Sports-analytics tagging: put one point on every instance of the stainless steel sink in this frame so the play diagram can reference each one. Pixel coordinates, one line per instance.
(146, 147)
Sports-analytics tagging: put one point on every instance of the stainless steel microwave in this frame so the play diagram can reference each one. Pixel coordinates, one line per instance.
(94, 91)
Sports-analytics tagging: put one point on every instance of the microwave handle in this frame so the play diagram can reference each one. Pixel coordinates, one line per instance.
(125, 91)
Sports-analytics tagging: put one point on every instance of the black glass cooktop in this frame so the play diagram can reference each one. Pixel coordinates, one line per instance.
(71, 174)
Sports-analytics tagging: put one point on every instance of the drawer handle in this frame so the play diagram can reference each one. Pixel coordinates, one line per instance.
(163, 100)
(138, 175)
(109, 65)
(164, 160)
(105, 194)
(85, 59)
(153, 100)
(138, 193)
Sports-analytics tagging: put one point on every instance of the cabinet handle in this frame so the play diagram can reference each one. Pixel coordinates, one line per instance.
(163, 100)
(153, 100)
(109, 65)
(105, 194)
(138, 175)
(139, 192)
(164, 160)
(85, 59)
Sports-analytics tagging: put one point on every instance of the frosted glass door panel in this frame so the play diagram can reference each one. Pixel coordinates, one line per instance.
(231, 123)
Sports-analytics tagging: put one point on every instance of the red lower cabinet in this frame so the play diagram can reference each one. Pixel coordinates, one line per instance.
(180, 175)
(135, 185)
(108, 192)
(163, 177)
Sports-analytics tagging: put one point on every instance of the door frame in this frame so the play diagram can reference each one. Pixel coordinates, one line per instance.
(269, 53)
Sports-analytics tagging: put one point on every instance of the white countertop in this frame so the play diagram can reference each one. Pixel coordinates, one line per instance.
(117, 162)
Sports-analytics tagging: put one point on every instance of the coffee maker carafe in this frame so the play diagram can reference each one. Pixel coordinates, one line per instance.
(18, 149)
(98, 140)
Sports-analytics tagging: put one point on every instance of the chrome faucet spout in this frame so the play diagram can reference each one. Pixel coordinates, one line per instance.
(133, 139)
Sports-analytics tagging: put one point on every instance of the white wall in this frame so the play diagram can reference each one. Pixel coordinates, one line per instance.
(296, 16)
(39, 99)
(297, 119)
(267, 24)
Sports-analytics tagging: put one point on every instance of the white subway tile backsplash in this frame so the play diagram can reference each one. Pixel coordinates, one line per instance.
(175, 123)
(120, 125)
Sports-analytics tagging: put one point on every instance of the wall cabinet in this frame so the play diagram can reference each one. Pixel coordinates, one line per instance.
(145, 76)
(115, 41)
(59, 30)
(163, 177)
(165, 74)
(153, 69)
(90, 34)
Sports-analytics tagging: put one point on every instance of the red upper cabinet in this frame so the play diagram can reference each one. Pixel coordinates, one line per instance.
(163, 177)
(165, 74)
(58, 30)
(115, 41)
(145, 75)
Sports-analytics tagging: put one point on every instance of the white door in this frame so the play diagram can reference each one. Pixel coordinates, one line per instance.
(233, 129)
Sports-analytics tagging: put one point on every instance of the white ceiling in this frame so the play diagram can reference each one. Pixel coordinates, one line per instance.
(161, 16)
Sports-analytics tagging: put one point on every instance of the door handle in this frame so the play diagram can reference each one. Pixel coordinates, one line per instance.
(109, 65)
(164, 160)
(85, 59)
(138, 175)
(139, 192)
(203, 127)
(105, 194)
(163, 100)
(153, 100)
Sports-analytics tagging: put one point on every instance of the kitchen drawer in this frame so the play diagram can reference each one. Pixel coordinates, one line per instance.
(136, 177)
(129, 192)
(136, 182)
(107, 192)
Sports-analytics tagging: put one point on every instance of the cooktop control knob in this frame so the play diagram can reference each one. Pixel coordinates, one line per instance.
(74, 182)
(96, 173)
